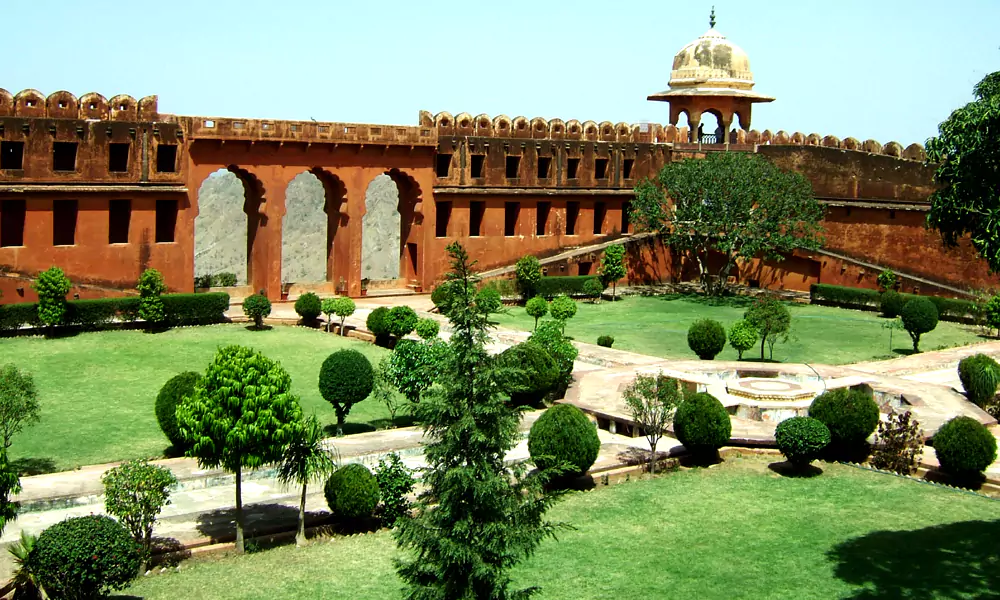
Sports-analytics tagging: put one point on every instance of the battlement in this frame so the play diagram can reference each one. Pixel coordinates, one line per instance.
(64, 105)
(216, 128)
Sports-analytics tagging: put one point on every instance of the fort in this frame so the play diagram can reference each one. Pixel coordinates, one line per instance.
(105, 188)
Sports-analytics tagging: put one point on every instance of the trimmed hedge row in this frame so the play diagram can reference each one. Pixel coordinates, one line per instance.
(949, 309)
(571, 285)
(181, 309)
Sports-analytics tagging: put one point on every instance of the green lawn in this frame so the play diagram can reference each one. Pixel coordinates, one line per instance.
(97, 390)
(734, 531)
(657, 325)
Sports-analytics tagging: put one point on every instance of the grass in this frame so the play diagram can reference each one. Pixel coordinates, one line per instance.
(97, 390)
(737, 530)
(658, 325)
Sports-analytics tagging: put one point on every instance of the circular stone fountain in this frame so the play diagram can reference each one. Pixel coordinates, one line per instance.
(761, 388)
(770, 399)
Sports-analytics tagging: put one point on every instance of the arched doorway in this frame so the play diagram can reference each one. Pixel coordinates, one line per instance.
(226, 226)
(710, 128)
(313, 202)
(390, 230)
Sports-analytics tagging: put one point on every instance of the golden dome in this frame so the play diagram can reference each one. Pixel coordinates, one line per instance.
(711, 60)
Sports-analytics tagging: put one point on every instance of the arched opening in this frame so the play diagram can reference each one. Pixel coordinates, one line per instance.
(682, 121)
(313, 202)
(229, 202)
(710, 128)
(390, 229)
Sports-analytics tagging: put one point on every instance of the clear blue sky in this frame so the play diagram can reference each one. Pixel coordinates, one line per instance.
(882, 69)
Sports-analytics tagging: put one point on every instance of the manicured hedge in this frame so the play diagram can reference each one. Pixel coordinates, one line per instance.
(15, 316)
(949, 309)
(181, 309)
(571, 285)
(195, 309)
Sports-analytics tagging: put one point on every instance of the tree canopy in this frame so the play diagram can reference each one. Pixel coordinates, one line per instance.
(738, 204)
(968, 173)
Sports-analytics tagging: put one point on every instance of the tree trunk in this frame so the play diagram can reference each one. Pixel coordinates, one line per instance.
(300, 535)
(340, 425)
(147, 541)
(652, 458)
(328, 319)
(614, 290)
(239, 510)
(342, 326)
(763, 340)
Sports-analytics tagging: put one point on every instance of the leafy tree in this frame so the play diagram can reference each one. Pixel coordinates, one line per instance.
(345, 379)
(738, 204)
(613, 267)
(257, 307)
(401, 320)
(477, 517)
(150, 304)
(771, 319)
(135, 492)
(652, 401)
(306, 458)
(967, 198)
(887, 280)
(593, 288)
(51, 286)
(384, 392)
(414, 366)
(10, 485)
(919, 316)
(241, 415)
(395, 482)
(742, 336)
(537, 307)
(892, 325)
(562, 308)
(18, 402)
(341, 306)
(529, 272)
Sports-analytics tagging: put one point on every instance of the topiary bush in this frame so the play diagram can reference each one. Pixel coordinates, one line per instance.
(964, 447)
(537, 307)
(84, 557)
(891, 304)
(562, 308)
(743, 336)
(428, 329)
(706, 338)
(400, 321)
(529, 272)
(550, 336)
(378, 324)
(980, 376)
(919, 317)
(593, 289)
(340, 306)
(309, 307)
(801, 439)
(702, 424)
(257, 307)
(151, 287)
(51, 286)
(851, 415)
(536, 372)
(563, 437)
(352, 492)
(167, 400)
(605, 341)
(346, 378)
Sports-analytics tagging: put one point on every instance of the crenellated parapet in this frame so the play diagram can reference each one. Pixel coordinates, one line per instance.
(64, 105)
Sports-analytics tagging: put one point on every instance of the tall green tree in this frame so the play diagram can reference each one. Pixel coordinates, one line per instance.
(10, 485)
(613, 267)
(738, 204)
(18, 403)
(150, 287)
(241, 415)
(51, 286)
(476, 517)
(967, 201)
(305, 459)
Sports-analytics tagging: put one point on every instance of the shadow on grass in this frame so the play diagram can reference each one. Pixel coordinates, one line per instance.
(258, 519)
(787, 469)
(730, 301)
(168, 552)
(261, 328)
(904, 351)
(33, 466)
(957, 560)
(705, 458)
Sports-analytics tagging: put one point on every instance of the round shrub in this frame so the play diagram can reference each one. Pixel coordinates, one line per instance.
(400, 321)
(537, 307)
(256, 307)
(706, 338)
(891, 304)
(167, 400)
(309, 307)
(346, 378)
(428, 329)
(851, 415)
(550, 336)
(801, 439)
(84, 557)
(980, 376)
(488, 300)
(593, 288)
(563, 307)
(564, 436)
(919, 316)
(964, 447)
(352, 492)
(702, 424)
(743, 336)
(536, 372)
(441, 296)
(377, 321)
(605, 340)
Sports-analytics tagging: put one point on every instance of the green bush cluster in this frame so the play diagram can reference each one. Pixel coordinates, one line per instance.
(850, 414)
(919, 316)
(550, 336)
(605, 341)
(743, 336)
(528, 272)
(593, 289)
(964, 447)
(195, 309)
(180, 309)
(702, 424)
(551, 286)
(224, 279)
(562, 308)
(801, 439)
(257, 307)
(167, 400)
(535, 372)
(949, 309)
(488, 300)
(151, 287)
(352, 492)
(428, 329)
(441, 296)
(377, 322)
(706, 338)
(395, 482)
(309, 307)
(400, 321)
(891, 304)
(563, 437)
(980, 376)
(51, 286)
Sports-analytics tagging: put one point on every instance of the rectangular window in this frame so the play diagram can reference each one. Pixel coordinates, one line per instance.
(599, 212)
(119, 220)
(166, 158)
(584, 268)
(11, 155)
(442, 165)
(626, 222)
(476, 211)
(63, 156)
(513, 164)
(544, 164)
(166, 221)
(572, 166)
(478, 161)
(443, 217)
(601, 168)
(627, 165)
(64, 222)
(542, 218)
(12, 223)
(118, 158)
(511, 212)
(572, 212)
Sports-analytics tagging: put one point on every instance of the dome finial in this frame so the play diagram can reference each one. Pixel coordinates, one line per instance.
(711, 19)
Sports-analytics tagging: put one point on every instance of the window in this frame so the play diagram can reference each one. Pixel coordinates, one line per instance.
(118, 158)
(584, 268)
(513, 164)
(892, 214)
(11, 155)
(542, 218)
(443, 216)
(511, 211)
(119, 220)
(544, 163)
(627, 165)
(166, 221)
(166, 158)
(626, 208)
(572, 212)
(572, 166)
(64, 222)
(478, 160)
(12, 223)
(601, 168)
(64, 156)
(599, 212)
(477, 209)
(443, 164)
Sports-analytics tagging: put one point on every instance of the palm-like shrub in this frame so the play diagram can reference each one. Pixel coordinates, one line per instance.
(964, 447)
(256, 307)
(346, 378)
(851, 415)
(306, 458)
(919, 317)
(801, 439)
(702, 424)
(309, 307)
(564, 438)
(706, 338)
(352, 492)
(980, 376)
(167, 400)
